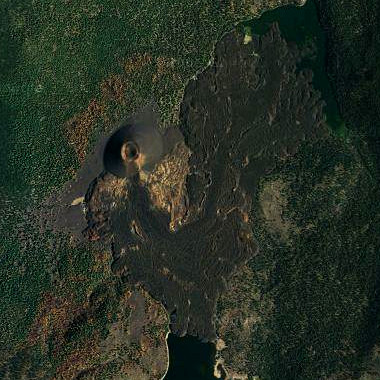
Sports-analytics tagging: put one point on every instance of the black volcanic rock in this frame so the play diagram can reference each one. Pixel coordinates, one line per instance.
(240, 115)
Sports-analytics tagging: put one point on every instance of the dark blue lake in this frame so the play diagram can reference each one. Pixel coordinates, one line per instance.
(190, 359)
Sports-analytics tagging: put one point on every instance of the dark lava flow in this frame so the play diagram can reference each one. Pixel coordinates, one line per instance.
(248, 109)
